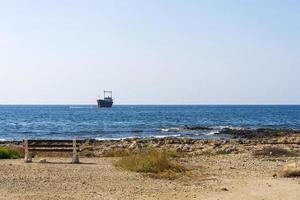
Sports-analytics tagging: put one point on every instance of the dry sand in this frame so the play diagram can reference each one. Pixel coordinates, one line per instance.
(226, 169)
(225, 176)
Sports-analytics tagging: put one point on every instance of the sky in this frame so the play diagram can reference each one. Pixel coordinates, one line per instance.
(150, 51)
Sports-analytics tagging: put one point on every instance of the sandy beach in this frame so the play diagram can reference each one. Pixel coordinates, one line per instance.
(223, 169)
(150, 100)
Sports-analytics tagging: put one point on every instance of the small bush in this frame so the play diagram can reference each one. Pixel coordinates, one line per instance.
(274, 152)
(9, 153)
(127, 152)
(151, 161)
(290, 170)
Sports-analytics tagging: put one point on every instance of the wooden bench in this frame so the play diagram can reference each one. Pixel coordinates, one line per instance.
(52, 146)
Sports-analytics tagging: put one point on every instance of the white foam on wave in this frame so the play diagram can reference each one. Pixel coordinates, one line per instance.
(132, 137)
(170, 129)
(212, 132)
(2, 140)
(224, 127)
(120, 138)
(164, 136)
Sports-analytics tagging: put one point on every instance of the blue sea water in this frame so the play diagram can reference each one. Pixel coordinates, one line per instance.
(125, 121)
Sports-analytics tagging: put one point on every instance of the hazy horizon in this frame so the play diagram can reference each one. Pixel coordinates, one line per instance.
(150, 53)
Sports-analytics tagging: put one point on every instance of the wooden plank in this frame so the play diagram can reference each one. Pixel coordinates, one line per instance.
(55, 141)
(52, 145)
(54, 150)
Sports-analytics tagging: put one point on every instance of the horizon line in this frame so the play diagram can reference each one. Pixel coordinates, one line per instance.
(171, 104)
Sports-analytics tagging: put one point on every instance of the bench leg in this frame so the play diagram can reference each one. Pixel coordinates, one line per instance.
(28, 157)
(75, 159)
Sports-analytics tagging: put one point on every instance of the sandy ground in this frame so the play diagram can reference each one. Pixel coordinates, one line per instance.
(226, 176)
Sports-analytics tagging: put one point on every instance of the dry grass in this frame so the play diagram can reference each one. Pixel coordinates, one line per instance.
(290, 170)
(117, 153)
(275, 152)
(157, 163)
(172, 153)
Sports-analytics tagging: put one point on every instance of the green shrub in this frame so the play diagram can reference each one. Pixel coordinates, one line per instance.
(153, 161)
(9, 153)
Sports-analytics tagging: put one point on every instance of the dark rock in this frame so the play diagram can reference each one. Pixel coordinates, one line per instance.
(257, 133)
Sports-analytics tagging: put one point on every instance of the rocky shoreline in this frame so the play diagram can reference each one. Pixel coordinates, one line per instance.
(258, 133)
(255, 160)
(240, 141)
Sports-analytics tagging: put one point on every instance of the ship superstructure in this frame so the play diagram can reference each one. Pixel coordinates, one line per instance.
(107, 100)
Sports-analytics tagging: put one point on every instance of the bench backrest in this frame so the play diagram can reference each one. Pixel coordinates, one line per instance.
(52, 145)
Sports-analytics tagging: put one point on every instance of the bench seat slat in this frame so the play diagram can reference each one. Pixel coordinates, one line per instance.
(53, 145)
(54, 141)
(51, 149)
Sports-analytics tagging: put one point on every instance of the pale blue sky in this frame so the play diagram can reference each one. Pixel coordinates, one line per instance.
(150, 52)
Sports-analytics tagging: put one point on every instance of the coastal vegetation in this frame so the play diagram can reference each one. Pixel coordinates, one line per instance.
(117, 153)
(290, 170)
(158, 163)
(136, 168)
(9, 153)
(275, 152)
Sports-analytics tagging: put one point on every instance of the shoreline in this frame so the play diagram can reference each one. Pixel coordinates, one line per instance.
(241, 138)
(245, 167)
(226, 132)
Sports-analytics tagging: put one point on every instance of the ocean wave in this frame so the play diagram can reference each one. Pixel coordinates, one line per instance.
(212, 132)
(175, 129)
(164, 136)
(227, 127)
(197, 133)
(110, 138)
(2, 140)
(134, 137)
(81, 107)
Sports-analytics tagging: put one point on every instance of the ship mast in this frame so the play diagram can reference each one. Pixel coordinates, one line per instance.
(109, 92)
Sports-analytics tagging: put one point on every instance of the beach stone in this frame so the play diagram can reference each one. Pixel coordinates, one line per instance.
(216, 145)
(121, 146)
(203, 142)
(183, 148)
(297, 140)
(230, 149)
(134, 145)
(155, 145)
(290, 170)
(43, 161)
(226, 141)
(226, 150)
(224, 189)
(172, 140)
(187, 141)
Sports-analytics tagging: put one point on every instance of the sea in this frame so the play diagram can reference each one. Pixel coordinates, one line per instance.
(18, 122)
